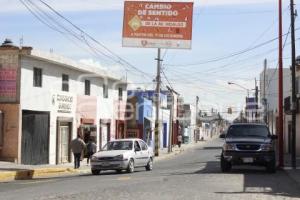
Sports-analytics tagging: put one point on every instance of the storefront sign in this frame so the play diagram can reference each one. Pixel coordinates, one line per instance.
(64, 103)
(157, 24)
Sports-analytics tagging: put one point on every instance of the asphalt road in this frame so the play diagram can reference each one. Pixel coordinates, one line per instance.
(194, 174)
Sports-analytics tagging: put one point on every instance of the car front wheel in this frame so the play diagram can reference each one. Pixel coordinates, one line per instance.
(130, 168)
(95, 171)
(271, 167)
(149, 166)
(225, 165)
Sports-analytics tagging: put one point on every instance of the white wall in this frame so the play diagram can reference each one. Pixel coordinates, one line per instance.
(40, 98)
(271, 86)
(165, 117)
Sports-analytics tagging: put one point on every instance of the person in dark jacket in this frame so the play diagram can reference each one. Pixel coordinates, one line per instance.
(91, 148)
(77, 146)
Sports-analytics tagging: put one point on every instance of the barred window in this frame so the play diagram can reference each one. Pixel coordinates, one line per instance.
(37, 77)
(65, 82)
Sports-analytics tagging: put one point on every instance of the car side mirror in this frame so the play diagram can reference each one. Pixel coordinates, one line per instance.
(274, 137)
(222, 136)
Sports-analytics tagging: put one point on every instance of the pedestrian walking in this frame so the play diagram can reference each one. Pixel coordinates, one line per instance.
(91, 148)
(179, 140)
(77, 146)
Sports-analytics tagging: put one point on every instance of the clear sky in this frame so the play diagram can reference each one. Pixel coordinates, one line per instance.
(221, 27)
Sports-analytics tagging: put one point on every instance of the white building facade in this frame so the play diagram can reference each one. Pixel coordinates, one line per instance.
(55, 99)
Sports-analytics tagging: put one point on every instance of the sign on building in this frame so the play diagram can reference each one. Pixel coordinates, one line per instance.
(63, 103)
(9, 65)
(157, 24)
(8, 84)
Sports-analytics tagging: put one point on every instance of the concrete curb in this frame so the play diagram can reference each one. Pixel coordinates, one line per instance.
(29, 174)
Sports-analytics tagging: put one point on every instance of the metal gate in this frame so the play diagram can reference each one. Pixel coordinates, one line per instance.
(35, 138)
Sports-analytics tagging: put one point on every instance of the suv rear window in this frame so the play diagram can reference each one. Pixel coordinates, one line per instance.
(248, 131)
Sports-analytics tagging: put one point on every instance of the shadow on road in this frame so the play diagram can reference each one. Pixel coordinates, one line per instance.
(211, 148)
(255, 180)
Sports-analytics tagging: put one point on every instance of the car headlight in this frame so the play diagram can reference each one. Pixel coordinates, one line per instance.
(94, 157)
(267, 147)
(119, 157)
(229, 147)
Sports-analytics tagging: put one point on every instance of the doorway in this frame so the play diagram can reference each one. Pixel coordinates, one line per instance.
(64, 130)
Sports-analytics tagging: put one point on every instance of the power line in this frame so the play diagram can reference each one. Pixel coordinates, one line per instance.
(269, 82)
(167, 79)
(230, 55)
(81, 37)
(93, 39)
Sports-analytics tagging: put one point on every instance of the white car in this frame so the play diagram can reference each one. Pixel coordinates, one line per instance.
(124, 154)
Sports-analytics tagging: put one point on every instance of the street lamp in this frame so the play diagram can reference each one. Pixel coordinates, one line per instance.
(231, 83)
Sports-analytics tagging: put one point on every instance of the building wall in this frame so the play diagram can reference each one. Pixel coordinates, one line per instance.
(271, 86)
(11, 138)
(9, 102)
(165, 118)
(298, 136)
(41, 99)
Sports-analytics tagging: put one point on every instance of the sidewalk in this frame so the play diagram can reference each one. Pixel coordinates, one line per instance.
(11, 171)
(292, 173)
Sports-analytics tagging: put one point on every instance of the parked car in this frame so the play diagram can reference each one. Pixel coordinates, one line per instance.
(248, 144)
(124, 154)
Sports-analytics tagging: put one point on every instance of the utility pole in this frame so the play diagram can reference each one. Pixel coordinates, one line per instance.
(157, 124)
(256, 101)
(171, 120)
(264, 93)
(280, 87)
(197, 133)
(294, 97)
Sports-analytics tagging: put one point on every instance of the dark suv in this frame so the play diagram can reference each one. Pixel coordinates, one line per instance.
(248, 144)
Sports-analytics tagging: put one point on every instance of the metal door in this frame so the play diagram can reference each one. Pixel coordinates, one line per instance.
(35, 138)
(64, 144)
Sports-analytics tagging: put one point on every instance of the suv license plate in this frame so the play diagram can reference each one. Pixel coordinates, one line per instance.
(105, 164)
(248, 160)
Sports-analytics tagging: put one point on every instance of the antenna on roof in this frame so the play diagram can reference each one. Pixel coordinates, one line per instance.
(21, 41)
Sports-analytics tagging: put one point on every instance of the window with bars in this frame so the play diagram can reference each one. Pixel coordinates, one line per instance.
(87, 87)
(105, 91)
(37, 77)
(65, 82)
(120, 94)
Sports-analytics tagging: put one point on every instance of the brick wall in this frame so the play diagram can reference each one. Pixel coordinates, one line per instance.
(9, 150)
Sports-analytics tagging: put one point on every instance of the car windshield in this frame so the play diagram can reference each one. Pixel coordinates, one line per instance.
(118, 145)
(248, 131)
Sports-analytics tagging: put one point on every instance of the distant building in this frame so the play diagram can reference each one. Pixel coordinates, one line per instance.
(269, 93)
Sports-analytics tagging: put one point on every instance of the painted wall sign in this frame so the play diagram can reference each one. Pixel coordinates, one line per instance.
(8, 85)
